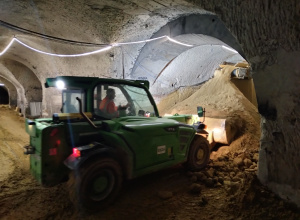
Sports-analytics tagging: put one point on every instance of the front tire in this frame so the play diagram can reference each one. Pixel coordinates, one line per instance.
(96, 184)
(199, 154)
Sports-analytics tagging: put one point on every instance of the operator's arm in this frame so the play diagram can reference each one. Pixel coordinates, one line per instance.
(123, 107)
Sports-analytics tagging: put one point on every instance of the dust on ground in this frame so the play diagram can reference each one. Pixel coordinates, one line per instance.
(226, 189)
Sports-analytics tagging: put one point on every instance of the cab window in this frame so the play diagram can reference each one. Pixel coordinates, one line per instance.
(120, 100)
(70, 103)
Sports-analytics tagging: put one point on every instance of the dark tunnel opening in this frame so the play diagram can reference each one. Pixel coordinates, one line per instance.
(4, 97)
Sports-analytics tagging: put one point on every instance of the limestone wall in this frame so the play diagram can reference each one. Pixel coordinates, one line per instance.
(268, 32)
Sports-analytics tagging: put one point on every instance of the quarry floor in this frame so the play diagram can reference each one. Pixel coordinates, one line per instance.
(227, 189)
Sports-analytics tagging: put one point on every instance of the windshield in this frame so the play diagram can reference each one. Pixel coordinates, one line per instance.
(120, 100)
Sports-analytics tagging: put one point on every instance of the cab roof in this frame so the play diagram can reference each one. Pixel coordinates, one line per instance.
(88, 82)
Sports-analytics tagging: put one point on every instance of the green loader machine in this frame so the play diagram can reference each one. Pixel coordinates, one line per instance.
(96, 151)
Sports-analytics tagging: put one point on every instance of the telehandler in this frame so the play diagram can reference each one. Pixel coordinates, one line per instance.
(96, 151)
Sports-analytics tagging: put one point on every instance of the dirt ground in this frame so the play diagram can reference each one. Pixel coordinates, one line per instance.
(226, 189)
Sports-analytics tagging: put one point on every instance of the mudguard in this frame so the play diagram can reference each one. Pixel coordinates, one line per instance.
(95, 151)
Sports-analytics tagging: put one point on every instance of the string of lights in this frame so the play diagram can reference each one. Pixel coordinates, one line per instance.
(106, 46)
(88, 53)
(63, 55)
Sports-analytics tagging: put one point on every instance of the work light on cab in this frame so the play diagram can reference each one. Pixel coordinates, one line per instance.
(60, 84)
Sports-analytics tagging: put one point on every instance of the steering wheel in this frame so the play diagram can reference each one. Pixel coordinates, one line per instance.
(131, 110)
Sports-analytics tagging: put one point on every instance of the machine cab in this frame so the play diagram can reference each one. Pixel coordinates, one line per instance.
(105, 98)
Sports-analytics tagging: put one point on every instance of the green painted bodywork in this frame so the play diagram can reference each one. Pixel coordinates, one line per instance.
(143, 144)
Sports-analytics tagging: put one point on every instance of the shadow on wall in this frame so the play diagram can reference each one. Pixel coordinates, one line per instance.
(266, 110)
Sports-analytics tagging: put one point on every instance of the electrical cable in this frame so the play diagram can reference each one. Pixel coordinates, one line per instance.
(62, 55)
(48, 37)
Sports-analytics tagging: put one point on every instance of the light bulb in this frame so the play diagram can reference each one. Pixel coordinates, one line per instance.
(60, 84)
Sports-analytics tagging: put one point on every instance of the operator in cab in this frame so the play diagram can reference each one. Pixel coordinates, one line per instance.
(107, 105)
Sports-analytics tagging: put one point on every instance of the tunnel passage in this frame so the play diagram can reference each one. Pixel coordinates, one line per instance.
(29, 81)
(168, 65)
(4, 98)
(11, 92)
(178, 69)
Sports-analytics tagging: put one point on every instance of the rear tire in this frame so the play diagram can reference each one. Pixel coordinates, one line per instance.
(95, 185)
(199, 154)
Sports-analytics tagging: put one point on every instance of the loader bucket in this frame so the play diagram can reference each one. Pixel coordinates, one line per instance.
(220, 130)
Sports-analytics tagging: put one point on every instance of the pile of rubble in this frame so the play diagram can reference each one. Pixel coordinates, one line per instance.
(234, 173)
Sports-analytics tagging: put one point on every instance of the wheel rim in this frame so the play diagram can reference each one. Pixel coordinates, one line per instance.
(101, 185)
(200, 156)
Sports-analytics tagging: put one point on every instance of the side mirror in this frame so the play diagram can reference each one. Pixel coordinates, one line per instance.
(200, 111)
